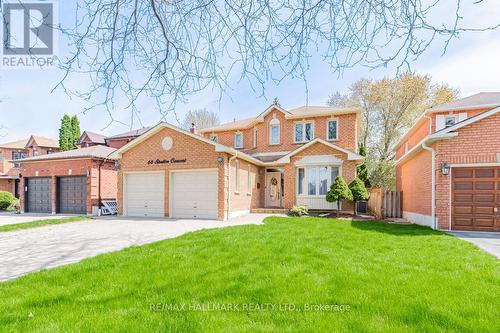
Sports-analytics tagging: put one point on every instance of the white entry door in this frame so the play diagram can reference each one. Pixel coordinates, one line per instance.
(273, 189)
(194, 194)
(144, 194)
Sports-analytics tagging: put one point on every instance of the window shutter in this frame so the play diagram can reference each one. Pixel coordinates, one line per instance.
(462, 116)
(440, 124)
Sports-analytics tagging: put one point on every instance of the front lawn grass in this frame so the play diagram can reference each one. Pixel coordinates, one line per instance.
(41, 223)
(394, 278)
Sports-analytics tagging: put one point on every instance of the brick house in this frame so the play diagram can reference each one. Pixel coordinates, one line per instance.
(448, 165)
(10, 152)
(275, 160)
(74, 181)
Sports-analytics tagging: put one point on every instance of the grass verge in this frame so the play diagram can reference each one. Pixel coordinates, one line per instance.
(40, 223)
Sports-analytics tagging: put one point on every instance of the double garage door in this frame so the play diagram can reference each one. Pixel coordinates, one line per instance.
(71, 195)
(193, 194)
(476, 199)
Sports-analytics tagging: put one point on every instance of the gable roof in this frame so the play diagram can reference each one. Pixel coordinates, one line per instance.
(93, 137)
(296, 113)
(19, 144)
(133, 133)
(351, 156)
(477, 101)
(99, 151)
(42, 142)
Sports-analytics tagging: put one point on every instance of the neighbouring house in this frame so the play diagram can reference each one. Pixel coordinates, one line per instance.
(11, 152)
(448, 165)
(277, 159)
(74, 181)
(120, 140)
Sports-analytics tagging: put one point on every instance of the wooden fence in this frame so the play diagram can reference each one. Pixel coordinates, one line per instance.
(385, 204)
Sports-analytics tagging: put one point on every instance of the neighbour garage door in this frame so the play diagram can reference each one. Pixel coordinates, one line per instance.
(144, 194)
(72, 195)
(476, 199)
(39, 195)
(194, 194)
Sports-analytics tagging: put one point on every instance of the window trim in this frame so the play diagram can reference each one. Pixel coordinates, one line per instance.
(305, 184)
(303, 123)
(271, 126)
(235, 135)
(336, 120)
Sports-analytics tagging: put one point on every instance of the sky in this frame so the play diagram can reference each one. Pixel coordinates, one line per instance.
(29, 106)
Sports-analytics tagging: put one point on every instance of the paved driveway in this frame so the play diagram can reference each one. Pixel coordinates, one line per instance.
(31, 250)
(488, 241)
(12, 218)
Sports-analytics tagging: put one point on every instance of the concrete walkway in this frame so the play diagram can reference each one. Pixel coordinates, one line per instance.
(488, 241)
(13, 218)
(31, 250)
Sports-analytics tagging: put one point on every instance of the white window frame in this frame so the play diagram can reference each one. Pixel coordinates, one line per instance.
(255, 138)
(336, 129)
(305, 182)
(235, 140)
(249, 180)
(213, 138)
(237, 176)
(303, 123)
(271, 126)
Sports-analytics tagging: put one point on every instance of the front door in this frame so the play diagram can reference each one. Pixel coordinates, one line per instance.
(274, 193)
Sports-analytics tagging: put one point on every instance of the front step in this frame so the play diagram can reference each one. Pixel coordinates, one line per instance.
(269, 210)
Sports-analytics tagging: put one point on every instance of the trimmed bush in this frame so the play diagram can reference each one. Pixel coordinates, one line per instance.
(6, 200)
(338, 191)
(298, 211)
(359, 192)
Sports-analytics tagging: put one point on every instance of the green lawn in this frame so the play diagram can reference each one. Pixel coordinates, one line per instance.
(394, 278)
(40, 223)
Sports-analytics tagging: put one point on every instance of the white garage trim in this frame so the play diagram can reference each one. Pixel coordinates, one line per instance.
(161, 174)
(171, 196)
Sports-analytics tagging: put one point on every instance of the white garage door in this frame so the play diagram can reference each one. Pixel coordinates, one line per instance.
(144, 194)
(194, 194)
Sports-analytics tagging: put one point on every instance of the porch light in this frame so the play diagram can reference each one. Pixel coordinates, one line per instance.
(445, 169)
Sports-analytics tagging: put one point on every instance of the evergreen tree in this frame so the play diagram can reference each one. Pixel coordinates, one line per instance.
(65, 134)
(362, 169)
(358, 191)
(75, 131)
(338, 191)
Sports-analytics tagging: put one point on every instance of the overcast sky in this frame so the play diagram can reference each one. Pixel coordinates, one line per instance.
(471, 64)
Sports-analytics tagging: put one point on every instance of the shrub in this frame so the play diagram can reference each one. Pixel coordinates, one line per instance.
(6, 200)
(359, 192)
(298, 211)
(338, 191)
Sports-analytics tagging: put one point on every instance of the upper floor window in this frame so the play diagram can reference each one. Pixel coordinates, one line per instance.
(213, 137)
(332, 130)
(255, 138)
(17, 155)
(274, 132)
(238, 140)
(303, 132)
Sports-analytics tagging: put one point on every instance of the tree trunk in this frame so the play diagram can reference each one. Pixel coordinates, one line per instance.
(355, 210)
(338, 208)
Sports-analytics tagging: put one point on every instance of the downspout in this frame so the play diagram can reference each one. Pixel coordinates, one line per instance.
(433, 181)
(228, 203)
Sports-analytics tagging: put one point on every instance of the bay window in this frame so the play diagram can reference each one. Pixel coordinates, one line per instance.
(303, 132)
(315, 180)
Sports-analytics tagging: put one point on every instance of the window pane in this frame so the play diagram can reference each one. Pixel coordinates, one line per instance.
(308, 132)
(332, 130)
(311, 181)
(334, 174)
(449, 121)
(300, 185)
(238, 140)
(298, 132)
(323, 180)
(275, 134)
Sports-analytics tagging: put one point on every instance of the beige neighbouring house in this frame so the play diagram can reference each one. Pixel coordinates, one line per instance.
(275, 160)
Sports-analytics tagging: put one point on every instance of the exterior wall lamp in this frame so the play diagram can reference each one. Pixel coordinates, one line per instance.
(445, 169)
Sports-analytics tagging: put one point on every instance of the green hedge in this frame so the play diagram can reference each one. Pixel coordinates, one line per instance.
(6, 200)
